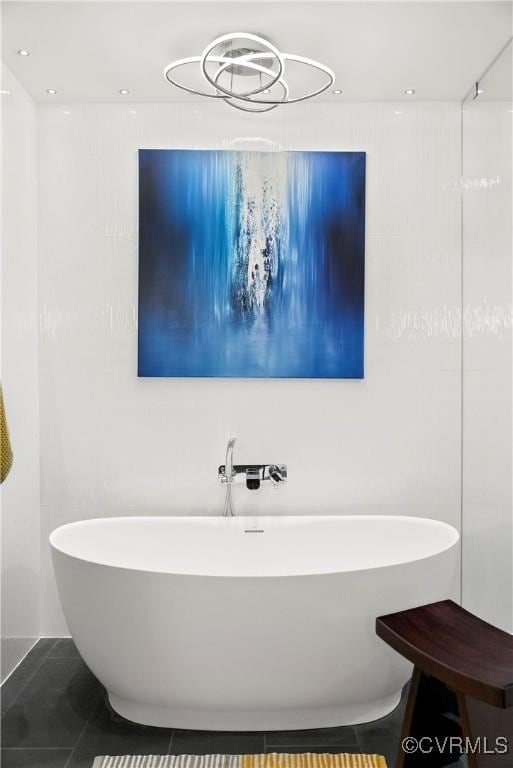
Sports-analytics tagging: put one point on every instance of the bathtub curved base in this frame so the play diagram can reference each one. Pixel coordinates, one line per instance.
(252, 720)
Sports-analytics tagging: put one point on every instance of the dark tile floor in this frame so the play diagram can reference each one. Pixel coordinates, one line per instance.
(55, 715)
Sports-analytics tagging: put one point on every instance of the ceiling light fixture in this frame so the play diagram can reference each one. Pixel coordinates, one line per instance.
(228, 63)
(124, 92)
(51, 91)
(23, 52)
(409, 91)
(337, 91)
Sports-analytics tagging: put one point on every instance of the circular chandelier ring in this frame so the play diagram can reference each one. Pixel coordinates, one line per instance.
(271, 51)
(258, 68)
(231, 100)
(181, 63)
(232, 103)
(252, 61)
(222, 60)
(301, 60)
(316, 65)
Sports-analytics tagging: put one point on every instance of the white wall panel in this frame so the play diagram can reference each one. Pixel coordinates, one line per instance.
(113, 444)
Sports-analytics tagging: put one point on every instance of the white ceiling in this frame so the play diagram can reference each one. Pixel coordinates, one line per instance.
(497, 83)
(90, 50)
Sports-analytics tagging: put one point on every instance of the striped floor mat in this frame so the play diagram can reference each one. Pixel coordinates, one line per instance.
(274, 760)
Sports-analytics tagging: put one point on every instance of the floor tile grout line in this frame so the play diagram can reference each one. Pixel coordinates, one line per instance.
(82, 732)
(354, 743)
(320, 746)
(316, 742)
(20, 662)
(36, 749)
(29, 678)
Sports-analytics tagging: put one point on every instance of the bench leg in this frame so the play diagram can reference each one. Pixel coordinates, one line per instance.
(490, 729)
(466, 729)
(408, 715)
(424, 719)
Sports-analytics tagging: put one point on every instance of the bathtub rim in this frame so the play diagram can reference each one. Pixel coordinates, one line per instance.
(454, 538)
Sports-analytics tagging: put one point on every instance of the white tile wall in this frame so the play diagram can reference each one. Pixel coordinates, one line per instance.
(112, 444)
(20, 491)
(487, 360)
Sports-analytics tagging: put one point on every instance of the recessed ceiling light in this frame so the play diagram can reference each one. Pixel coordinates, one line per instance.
(267, 90)
(337, 92)
(23, 52)
(480, 90)
(124, 92)
(51, 91)
(410, 91)
(5, 92)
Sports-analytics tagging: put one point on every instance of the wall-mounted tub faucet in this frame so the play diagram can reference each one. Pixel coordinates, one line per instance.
(252, 474)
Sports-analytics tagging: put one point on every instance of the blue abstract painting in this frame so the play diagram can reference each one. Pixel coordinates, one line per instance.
(251, 264)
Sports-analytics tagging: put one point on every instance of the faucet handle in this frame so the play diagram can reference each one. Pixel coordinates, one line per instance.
(221, 474)
(277, 473)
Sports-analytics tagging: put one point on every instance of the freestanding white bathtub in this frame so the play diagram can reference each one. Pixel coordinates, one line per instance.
(248, 623)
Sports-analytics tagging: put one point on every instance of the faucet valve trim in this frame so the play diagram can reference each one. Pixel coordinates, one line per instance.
(252, 474)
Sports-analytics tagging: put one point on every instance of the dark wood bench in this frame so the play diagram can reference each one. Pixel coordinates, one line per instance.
(462, 686)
